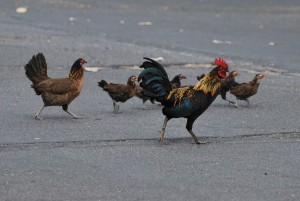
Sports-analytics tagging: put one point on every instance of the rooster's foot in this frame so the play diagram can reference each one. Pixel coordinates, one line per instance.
(203, 142)
(200, 142)
(163, 141)
(37, 117)
(236, 106)
(77, 117)
(116, 109)
(161, 138)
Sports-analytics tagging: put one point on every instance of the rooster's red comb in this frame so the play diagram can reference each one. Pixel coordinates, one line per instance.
(221, 62)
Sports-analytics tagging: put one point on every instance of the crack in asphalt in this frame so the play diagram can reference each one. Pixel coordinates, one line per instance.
(138, 141)
(264, 70)
(183, 65)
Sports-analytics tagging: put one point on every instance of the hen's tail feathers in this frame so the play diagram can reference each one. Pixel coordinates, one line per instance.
(36, 71)
(155, 81)
(102, 83)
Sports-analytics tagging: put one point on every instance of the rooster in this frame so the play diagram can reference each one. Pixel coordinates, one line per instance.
(119, 92)
(245, 90)
(188, 102)
(58, 91)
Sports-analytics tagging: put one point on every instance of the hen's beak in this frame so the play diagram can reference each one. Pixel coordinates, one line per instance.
(83, 61)
(261, 76)
(236, 73)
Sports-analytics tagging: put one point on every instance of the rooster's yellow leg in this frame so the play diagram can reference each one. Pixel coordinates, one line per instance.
(162, 132)
(196, 139)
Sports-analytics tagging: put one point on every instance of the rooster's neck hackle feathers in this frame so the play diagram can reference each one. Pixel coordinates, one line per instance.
(210, 83)
(179, 93)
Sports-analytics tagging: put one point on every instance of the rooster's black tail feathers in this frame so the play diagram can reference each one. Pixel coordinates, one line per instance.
(154, 80)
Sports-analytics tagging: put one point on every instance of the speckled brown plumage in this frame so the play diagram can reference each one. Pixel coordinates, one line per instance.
(119, 92)
(245, 90)
(57, 91)
(227, 84)
(139, 93)
(176, 81)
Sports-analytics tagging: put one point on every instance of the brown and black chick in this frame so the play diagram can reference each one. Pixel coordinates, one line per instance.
(227, 84)
(176, 81)
(55, 91)
(200, 76)
(139, 93)
(245, 90)
(119, 92)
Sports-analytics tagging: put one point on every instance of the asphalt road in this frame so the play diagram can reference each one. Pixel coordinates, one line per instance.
(254, 151)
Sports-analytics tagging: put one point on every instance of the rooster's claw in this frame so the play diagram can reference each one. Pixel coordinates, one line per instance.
(37, 117)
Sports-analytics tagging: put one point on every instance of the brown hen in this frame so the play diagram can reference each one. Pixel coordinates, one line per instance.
(58, 91)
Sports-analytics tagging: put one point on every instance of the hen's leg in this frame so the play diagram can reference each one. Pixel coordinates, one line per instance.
(116, 107)
(223, 95)
(189, 127)
(248, 103)
(65, 108)
(162, 132)
(37, 114)
(152, 101)
(236, 105)
(230, 102)
(144, 104)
